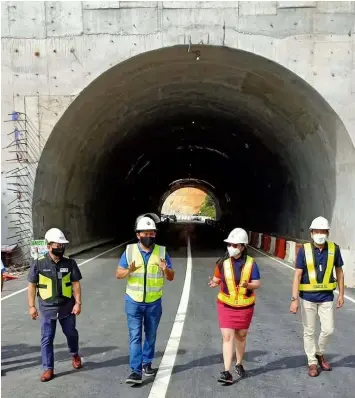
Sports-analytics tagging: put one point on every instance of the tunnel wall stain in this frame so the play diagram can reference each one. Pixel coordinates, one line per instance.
(316, 42)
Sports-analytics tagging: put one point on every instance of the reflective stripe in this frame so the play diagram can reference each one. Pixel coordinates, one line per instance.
(313, 285)
(162, 252)
(237, 295)
(66, 286)
(237, 302)
(129, 254)
(318, 287)
(153, 289)
(47, 291)
(136, 288)
(137, 274)
(153, 276)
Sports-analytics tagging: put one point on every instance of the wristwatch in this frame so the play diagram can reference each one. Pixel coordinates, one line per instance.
(294, 298)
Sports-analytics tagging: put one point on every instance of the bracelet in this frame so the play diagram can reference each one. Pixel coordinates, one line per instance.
(32, 306)
(78, 303)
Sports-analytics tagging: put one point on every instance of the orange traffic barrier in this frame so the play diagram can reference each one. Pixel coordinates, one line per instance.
(8, 277)
(266, 242)
(280, 249)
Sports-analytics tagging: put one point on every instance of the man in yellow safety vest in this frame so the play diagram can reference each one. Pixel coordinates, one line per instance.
(146, 265)
(313, 287)
(56, 280)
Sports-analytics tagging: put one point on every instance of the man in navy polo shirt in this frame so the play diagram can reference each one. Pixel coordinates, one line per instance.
(314, 285)
(146, 266)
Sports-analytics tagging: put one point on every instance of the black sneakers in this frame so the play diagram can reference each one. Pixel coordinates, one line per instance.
(225, 377)
(148, 371)
(240, 371)
(134, 378)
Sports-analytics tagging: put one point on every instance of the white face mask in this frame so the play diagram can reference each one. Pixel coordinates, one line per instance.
(319, 238)
(233, 251)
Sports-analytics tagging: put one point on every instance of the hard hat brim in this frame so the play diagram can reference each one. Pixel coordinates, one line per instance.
(60, 241)
(234, 242)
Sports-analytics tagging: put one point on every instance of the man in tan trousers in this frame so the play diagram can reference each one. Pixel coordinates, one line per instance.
(313, 289)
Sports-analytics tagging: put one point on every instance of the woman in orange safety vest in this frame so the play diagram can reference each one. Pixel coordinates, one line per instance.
(238, 276)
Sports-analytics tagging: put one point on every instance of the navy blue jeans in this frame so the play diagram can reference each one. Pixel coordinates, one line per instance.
(139, 315)
(48, 328)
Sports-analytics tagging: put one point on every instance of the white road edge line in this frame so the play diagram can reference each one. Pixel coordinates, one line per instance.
(162, 379)
(289, 266)
(84, 262)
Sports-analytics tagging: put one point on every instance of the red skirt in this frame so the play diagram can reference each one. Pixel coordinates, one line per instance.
(231, 318)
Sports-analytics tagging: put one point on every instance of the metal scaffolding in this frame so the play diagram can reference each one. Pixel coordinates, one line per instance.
(25, 148)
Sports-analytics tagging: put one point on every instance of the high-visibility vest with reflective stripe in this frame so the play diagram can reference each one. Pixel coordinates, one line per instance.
(50, 287)
(146, 283)
(237, 295)
(326, 284)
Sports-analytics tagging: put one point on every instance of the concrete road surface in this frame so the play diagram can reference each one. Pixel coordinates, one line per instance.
(275, 358)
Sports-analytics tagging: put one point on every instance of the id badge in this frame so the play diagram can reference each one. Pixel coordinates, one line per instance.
(59, 275)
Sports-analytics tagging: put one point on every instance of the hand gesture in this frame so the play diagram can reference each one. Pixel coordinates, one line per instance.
(76, 309)
(133, 268)
(244, 284)
(212, 283)
(294, 306)
(33, 313)
(340, 301)
(163, 265)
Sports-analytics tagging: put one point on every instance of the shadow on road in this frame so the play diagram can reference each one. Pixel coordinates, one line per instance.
(17, 350)
(214, 360)
(113, 362)
(291, 362)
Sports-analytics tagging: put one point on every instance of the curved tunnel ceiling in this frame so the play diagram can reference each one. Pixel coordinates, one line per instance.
(240, 122)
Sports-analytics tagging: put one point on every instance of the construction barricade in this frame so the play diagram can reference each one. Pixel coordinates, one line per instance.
(272, 245)
(266, 242)
(280, 248)
(277, 246)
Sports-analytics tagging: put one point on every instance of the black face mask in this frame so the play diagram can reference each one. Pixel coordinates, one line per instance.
(59, 252)
(147, 241)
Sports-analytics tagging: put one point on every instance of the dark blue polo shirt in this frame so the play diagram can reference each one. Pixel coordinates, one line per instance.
(63, 308)
(320, 257)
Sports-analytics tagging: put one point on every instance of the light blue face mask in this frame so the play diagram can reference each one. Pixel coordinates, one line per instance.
(320, 239)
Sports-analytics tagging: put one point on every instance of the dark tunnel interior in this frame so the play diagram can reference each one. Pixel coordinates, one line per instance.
(240, 125)
(206, 148)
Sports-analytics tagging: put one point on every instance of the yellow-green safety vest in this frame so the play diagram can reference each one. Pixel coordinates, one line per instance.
(48, 283)
(326, 284)
(146, 284)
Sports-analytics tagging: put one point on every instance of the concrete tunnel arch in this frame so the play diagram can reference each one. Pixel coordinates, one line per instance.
(114, 151)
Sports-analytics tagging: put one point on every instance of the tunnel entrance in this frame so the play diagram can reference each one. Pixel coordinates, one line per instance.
(256, 132)
(189, 199)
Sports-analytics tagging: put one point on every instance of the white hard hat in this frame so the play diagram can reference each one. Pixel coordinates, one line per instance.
(320, 223)
(55, 235)
(238, 235)
(146, 224)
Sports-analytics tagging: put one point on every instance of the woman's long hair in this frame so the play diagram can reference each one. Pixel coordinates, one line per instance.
(221, 260)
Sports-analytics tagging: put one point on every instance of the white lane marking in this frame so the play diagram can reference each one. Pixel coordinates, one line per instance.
(161, 381)
(289, 266)
(84, 262)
